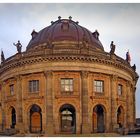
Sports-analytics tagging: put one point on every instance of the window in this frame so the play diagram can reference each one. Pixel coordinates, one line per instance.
(34, 86)
(120, 87)
(11, 89)
(66, 85)
(98, 86)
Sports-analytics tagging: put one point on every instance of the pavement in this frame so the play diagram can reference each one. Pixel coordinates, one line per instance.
(67, 135)
(74, 135)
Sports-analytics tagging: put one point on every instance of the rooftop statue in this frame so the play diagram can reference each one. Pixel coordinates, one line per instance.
(134, 67)
(112, 47)
(128, 58)
(2, 57)
(18, 45)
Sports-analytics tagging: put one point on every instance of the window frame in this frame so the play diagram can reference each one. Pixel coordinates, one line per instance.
(11, 89)
(69, 86)
(98, 87)
(120, 90)
(33, 86)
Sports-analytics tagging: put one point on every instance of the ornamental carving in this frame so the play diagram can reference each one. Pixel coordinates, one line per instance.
(84, 74)
(114, 78)
(48, 74)
(128, 83)
(18, 77)
(34, 60)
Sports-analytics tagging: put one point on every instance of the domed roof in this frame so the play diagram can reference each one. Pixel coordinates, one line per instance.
(65, 30)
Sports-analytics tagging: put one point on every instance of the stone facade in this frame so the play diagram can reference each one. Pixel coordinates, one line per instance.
(89, 110)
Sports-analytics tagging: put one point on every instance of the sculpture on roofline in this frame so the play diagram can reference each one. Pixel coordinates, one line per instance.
(134, 67)
(112, 47)
(18, 45)
(2, 57)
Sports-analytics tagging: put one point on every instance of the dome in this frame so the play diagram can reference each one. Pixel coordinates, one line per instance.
(64, 30)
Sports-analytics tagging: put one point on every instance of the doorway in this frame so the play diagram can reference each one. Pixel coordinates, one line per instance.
(13, 118)
(68, 119)
(98, 119)
(35, 119)
(120, 117)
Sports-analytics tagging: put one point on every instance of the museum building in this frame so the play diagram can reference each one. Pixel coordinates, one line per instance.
(66, 83)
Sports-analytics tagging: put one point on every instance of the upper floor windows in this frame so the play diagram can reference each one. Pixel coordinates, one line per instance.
(34, 86)
(99, 86)
(11, 89)
(120, 89)
(67, 85)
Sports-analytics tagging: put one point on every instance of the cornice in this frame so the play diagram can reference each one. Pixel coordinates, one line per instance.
(28, 58)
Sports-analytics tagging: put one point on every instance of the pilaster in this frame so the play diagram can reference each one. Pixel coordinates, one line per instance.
(19, 123)
(113, 103)
(84, 102)
(3, 106)
(133, 105)
(49, 103)
(128, 105)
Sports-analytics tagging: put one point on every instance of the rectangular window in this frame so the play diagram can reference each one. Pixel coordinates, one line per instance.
(34, 86)
(99, 86)
(67, 85)
(120, 87)
(11, 89)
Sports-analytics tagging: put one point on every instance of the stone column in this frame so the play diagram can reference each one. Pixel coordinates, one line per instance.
(49, 103)
(113, 103)
(127, 118)
(0, 106)
(134, 105)
(131, 107)
(19, 117)
(3, 125)
(84, 102)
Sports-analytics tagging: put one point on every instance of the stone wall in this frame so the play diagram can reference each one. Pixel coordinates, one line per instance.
(83, 98)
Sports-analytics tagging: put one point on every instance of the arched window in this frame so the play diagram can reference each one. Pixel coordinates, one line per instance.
(13, 118)
(98, 119)
(35, 119)
(68, 118)
(120, 117)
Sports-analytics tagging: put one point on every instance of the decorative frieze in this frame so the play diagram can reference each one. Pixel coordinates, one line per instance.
(38, 58)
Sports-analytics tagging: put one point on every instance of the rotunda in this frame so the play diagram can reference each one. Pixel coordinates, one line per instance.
(66, 83)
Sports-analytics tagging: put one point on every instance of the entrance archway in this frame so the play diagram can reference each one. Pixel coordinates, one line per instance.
(98, 119)
(13, 117)
(67, 118)
(120, 117)
(35, 119)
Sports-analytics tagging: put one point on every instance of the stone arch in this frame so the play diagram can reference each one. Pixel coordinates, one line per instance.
(29, 106)
(120, 116)
(12, 117)
(67, 115)
(99, 118)
(35, 119)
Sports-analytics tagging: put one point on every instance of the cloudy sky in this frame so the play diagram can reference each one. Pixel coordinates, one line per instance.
(117, 22)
